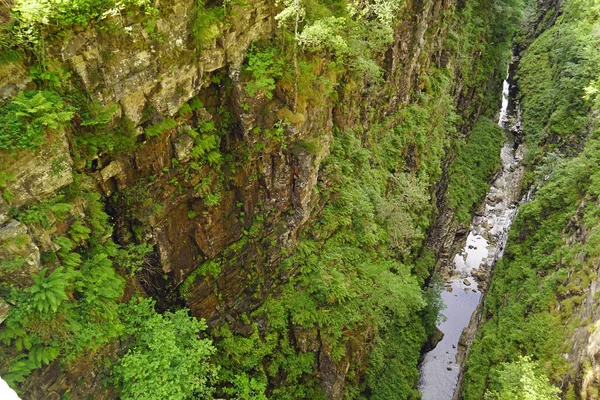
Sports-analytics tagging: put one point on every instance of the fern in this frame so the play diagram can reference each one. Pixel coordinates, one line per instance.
(64, 244)
(25, 121)
(207, 127)
(71, 260)
(214, 158)
(48, 292)
(18, 371)
(159, 128)
(206, 148)
(99, 115)
(185, 111)
(79, 232)
(101, 285)
(12, 331)
(212, 199)
(205, 24)
(265, 66)
(59, 209)
(37, 357)
(195, 104)
(41, 355)
(46, 213)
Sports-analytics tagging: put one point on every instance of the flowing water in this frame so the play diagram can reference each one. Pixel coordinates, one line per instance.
(440, 369)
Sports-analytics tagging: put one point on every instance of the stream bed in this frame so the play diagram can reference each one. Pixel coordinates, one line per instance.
(471, 268)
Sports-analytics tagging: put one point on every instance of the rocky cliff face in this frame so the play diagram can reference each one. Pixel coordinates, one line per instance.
(219, 230)
(584, 339)
(140, 74)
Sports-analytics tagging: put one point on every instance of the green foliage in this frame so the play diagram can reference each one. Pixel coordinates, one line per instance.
(185, 111)
(160, 127)
(195, 104)
(210, 268)
(356, 270)
(265, 66)
(395, 352)
(5, 179)
(212, 199)
(10, 266)
(79, 232)
(246, 388)
(206, 23)
(520, 381)
(352, 279)
(138, 201)
(101, 285)
(480, 40)
(73, 12)
(327, 33)
(51, 73)
(355, 274)
(133, 257)
(473, 168)
(70, 309)
(166, 358)
(206, 144)
(538, 285)
(98, 115)
(532, 279)
(553, 76)
(48, 292)
(247, 361)
(99, 130)
(29, 116)
(45, 214)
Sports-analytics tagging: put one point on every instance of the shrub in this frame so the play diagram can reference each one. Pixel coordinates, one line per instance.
(167, 359)
(520, 380)
(265, 66)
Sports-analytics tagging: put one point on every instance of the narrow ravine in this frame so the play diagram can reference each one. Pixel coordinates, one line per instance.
(441, 367)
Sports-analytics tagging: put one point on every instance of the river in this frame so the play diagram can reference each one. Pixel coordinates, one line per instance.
(441, 367)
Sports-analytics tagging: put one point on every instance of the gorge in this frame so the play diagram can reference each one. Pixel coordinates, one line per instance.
(469, 273)
(252, 199)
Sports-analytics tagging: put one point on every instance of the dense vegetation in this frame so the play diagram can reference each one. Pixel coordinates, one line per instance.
(356, 291)
(73, 310)
(360, 270)
(29, 116)
(349, 266)
(539, 289)
(475, 163)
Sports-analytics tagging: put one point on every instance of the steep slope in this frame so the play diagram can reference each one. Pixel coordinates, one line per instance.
(542, 302)
(275, 168)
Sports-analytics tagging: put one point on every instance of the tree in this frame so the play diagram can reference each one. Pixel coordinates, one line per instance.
(293, 11)
(518, 380)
